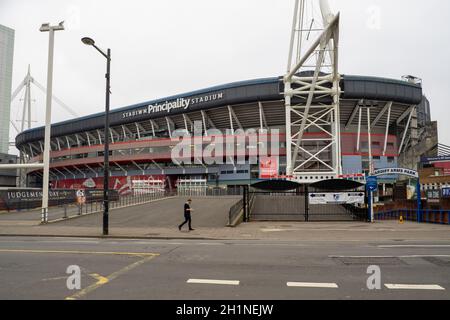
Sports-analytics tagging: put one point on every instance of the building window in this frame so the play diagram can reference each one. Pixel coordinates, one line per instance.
(364, 145)
(390, 159)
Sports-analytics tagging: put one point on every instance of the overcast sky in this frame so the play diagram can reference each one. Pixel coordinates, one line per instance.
(161, 48)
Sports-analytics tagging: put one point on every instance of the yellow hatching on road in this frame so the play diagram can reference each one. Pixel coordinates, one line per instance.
(147, 256)
(103, 280)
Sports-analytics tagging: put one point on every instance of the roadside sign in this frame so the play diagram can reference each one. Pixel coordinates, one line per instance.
(372, 183)
(445, 192)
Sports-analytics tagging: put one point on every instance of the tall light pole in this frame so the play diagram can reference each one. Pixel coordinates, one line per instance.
(107, 55)
(46, 27)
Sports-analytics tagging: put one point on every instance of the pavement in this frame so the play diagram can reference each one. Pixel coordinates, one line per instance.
(37, 268)
(159, 220)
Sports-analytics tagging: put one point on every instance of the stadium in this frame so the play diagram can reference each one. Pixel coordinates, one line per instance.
(326, 125)
(141, 134)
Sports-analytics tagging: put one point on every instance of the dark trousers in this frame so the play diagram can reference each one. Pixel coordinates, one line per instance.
(187, 219)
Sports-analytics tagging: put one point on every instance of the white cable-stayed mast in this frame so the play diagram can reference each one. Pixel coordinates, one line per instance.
(26, 117)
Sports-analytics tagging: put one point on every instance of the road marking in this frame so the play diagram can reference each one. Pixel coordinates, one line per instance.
(414, 287)
(134, 254)
(103, 280)
(100, 280)
(312, 285)
(55, 279)
(210, 281)
(416, 246)
(401, 257)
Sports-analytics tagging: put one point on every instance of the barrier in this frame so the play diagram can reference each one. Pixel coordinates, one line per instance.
(427, 216)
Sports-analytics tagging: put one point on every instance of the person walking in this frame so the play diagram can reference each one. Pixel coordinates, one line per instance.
(187, 215)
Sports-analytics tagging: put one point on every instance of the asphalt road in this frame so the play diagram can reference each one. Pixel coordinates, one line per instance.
(35, 268)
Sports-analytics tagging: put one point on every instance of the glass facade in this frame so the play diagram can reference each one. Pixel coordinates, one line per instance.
(6, 65)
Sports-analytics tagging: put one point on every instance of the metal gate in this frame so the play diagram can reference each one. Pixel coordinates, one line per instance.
(277, 206)
(294, 205)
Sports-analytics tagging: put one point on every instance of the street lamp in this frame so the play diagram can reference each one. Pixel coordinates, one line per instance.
(91, 42)
(46, 27)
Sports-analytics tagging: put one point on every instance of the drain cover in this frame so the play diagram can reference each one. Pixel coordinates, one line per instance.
(379, 261)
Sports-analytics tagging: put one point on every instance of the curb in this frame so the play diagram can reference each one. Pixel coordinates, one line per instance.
(115, 237)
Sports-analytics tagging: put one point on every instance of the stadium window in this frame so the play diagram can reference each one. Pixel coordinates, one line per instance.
(364, 145)
(391, 159)
(376, 158)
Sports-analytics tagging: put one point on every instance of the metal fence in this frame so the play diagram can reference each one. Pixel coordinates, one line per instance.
(209, 192)
(71, 210)
(425, 216)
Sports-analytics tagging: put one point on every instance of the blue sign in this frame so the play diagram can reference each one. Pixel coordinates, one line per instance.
(445, 192)
(435, 159)
(372, 183)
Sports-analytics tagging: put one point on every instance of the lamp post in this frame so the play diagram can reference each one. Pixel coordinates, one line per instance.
(46, 27)
(107, 55)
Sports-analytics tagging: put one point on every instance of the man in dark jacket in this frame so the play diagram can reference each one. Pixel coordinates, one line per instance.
(187, 215)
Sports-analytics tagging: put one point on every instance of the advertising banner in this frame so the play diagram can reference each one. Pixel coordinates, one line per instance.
(337, 198)
(268, 167)
(22, 199)
(123, 184)
(18, 199)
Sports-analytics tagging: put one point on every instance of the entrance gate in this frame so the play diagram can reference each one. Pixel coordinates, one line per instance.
(289, 201)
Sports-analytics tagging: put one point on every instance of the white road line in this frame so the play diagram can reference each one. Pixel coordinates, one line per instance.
(416, 246)
(414, 287)
(312, 285)
(402, 257)
(210, 281)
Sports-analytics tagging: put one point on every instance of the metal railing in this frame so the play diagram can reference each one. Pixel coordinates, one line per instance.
(425, 216)
(208, 192)
(72, 210)
(235, 211)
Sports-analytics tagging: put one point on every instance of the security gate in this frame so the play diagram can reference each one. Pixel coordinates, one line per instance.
(302, 205)
(277, 206)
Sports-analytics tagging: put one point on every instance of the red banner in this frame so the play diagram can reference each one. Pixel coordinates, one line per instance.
(268, 167)
(122, 184)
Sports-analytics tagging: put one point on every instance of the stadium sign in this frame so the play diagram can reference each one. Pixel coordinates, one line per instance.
(169, 106)
(399, 171)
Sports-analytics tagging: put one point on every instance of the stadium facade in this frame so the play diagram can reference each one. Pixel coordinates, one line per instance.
(143, 135)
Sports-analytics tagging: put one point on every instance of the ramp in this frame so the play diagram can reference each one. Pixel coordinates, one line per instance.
(210, 212)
